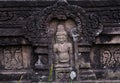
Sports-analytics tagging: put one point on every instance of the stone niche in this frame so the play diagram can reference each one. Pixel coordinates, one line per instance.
(63, 47)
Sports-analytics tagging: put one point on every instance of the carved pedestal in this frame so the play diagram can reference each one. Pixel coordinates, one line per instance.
(62, 74)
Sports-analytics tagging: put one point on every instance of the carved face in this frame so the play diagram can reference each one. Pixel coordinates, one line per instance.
(61, 38)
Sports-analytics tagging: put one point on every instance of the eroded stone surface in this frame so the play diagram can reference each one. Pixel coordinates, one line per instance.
(88, 44)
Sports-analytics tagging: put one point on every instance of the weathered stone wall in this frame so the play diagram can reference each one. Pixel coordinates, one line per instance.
(25, 38)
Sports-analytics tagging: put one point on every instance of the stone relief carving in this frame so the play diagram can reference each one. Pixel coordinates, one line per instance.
(36, 32)
(12, 58)
(5, 16)
(61, 36)
(110, 58)
(94, 27)
(116, 56)
(84, 31)
(62, 48)
(63, 53)
(63, 76)
(106, 59)
(109, 16)
(88, 25)
(112, 70)
(17, 18)
(109, 61)
(62, 11)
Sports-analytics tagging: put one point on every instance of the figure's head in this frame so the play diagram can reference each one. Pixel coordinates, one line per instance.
(61, 35)
(61, 39)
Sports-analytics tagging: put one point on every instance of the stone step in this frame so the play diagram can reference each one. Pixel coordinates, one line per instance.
(87, 74)
(91, 75)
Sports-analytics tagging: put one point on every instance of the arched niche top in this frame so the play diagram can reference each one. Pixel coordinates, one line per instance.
(63, 11)
(88, 25)
(69, 24)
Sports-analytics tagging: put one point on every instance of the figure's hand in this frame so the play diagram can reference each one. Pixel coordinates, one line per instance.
(56, 62)
(56, 59)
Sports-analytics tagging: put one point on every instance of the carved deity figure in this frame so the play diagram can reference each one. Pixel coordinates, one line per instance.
(117, 57)
(107, 59)
(62, 48)
(12, 58)
(108, 62)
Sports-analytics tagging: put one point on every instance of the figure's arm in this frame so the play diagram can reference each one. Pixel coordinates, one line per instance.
(56, 53)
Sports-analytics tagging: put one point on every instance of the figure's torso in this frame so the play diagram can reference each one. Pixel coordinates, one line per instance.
(63, 51)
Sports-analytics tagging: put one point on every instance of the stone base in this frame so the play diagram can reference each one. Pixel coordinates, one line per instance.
(62, 74)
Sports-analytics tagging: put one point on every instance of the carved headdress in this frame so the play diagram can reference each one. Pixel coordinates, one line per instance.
(61, 30)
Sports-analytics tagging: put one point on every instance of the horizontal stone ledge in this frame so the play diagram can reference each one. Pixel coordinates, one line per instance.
(108, 39)
(84, 49)
(44, 3)
(111, 30)
(15, 71)
(87, 81)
